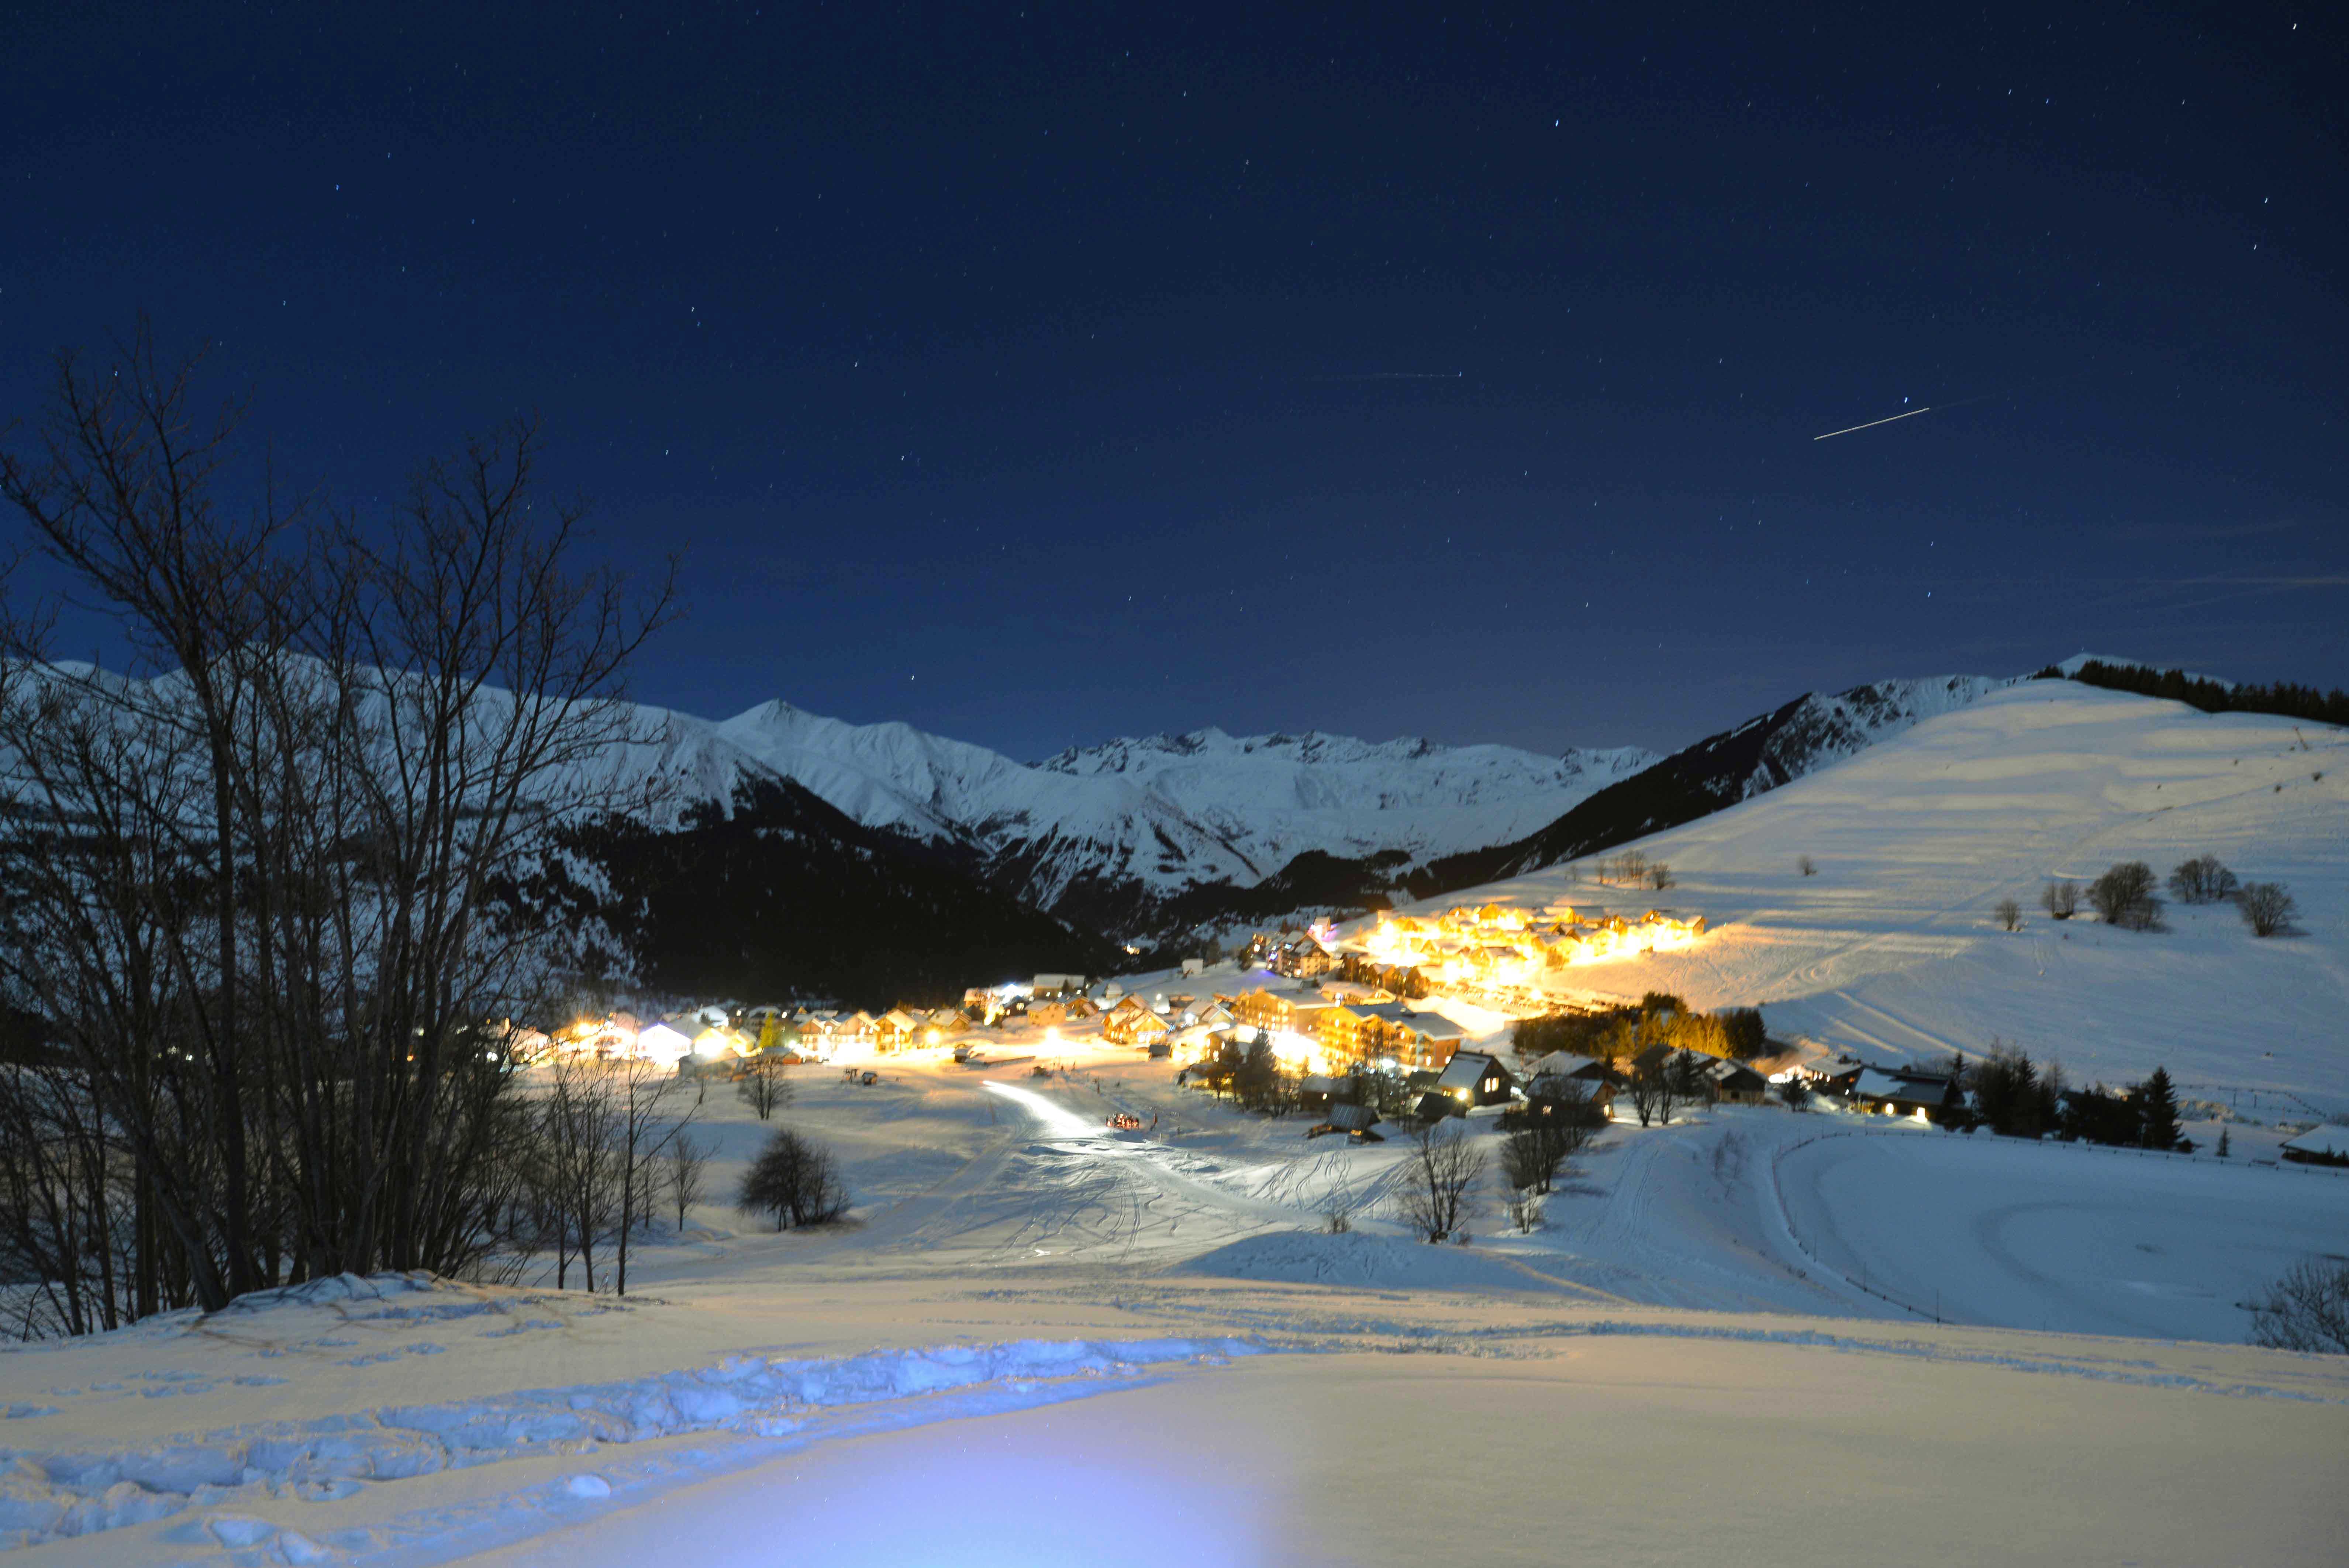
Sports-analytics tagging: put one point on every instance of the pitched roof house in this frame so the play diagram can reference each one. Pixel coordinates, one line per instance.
(1473, 1078)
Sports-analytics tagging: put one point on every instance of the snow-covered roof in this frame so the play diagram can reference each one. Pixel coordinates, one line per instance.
(2329, 1138)
(1466, 1070)
(1874, 1084)
(1558, 1062)
(1433, 1026)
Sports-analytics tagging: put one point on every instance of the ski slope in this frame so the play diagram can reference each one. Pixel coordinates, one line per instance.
(1054, 1335)
(1891, 951)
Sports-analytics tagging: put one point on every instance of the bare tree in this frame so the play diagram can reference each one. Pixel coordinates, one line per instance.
(2009, 915)
(2308, 1309)
(2124, 897)
(685, 1173)
(1443, 1168)
(1655, 1086)
(578, 1127)
(263, 886)
(62, 1202)
(2201, 880)
(1807, 866)
(794, 1180)
(763, 1088)
(1660, 875)
(2267, 908)
(1531, 1156)
(641, 1134)
(2060, 898)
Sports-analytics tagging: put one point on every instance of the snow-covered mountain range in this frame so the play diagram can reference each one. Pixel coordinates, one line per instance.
(1136, 838)
(1131, 820)
(1108, 833)
(1284, 795)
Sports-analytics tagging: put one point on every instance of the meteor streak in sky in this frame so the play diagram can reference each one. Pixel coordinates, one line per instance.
(1871, 424)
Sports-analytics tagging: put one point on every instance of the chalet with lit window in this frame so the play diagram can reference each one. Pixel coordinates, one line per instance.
(1473, 1078)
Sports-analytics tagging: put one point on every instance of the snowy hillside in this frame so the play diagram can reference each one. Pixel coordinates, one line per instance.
(1757, 756)
(1819, 728)
(1284, 795)
(1891, 950)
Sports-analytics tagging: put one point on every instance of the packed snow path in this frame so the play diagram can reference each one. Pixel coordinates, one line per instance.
(1736, 1209)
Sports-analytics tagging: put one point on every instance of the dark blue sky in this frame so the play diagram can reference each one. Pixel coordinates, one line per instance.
(1040, 374)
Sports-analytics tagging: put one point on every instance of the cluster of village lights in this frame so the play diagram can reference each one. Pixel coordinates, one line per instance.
(1497, 943)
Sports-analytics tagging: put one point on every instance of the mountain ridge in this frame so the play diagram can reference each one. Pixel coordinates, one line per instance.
(1144, 837)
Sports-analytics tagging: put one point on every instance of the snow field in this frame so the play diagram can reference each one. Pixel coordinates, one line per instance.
(1890, 952)
(2055, 1236)
(79, 1491)
(739, 1405)
(1734, 1209)
(1630, 1449)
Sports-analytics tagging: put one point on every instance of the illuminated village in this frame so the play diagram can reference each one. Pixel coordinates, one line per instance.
(1322, 1001)
(1495, 944)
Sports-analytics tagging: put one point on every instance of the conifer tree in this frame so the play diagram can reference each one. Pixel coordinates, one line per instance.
(2158, 1106)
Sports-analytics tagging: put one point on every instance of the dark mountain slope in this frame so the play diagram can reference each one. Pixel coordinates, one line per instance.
(787, 896)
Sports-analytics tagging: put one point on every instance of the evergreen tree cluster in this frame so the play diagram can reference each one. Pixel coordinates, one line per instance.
(1250, 1074)
(1736, 1033)
(2017, 1098)
(2282, 699)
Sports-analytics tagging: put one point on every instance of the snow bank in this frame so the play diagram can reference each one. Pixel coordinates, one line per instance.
(50, 1495)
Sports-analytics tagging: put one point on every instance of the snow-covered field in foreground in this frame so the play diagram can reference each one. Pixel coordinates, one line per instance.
(1891, 950)
(1041, 1342)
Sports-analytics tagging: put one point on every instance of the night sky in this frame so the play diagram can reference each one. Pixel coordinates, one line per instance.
(1043, 374)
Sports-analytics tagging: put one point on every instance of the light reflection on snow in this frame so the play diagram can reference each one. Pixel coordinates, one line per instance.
(1040, 1492)
(1058, 1121)
(966, 1498)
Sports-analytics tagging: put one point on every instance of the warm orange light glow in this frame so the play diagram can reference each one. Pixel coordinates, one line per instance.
(1507, 946)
